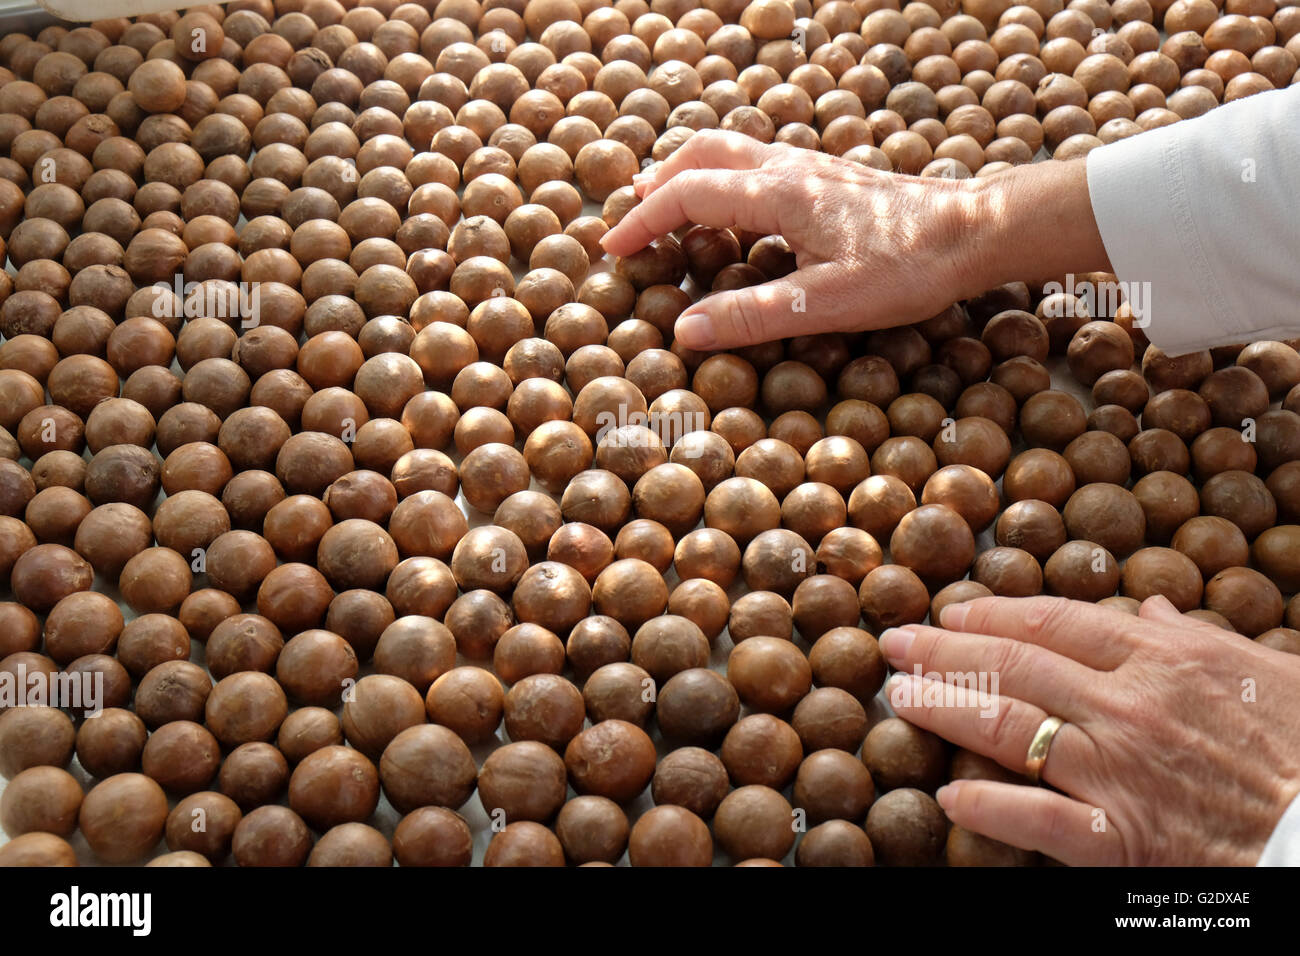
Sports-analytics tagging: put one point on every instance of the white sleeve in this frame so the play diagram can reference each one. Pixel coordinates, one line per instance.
(1203, 218)
(1283, 847)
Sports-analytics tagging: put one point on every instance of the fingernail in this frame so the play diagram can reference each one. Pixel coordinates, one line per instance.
(896, 642)
(946, 796)
(953, 616)
(696, 331)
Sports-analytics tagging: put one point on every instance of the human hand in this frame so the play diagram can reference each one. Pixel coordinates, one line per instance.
(873, 249)
(1182, 741)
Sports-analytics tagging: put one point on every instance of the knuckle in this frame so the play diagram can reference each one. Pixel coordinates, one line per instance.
(734, 141)
(777, 156)
(747, 316)
(783, 172)
(697, 181)
(1053, 824)
(1046, 615)
(979, 611)
(749, 190)
(710, 137)
(998, 730)
(1006, 656)
(693, 144)
(677, 195)
(1128, 709)
(686, 179)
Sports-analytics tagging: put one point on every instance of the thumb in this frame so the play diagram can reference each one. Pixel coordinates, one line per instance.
(761, 313)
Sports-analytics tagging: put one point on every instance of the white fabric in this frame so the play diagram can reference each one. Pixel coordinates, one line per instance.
(1283, 847)
(1207, 211)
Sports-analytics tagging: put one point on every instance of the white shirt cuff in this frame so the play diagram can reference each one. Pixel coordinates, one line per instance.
(1200, 218)
(1283, 846)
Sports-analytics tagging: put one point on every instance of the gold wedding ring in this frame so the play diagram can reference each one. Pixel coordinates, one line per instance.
(1039, 746)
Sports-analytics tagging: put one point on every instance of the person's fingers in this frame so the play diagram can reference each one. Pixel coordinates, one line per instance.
(709, 197)
(998, 726)
(1034, 819)
(707, 149)
(760, 313)
(744, 151)
(1100, 637)
(1031, 673)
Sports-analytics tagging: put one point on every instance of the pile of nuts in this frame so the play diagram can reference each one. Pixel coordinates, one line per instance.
(304, 289)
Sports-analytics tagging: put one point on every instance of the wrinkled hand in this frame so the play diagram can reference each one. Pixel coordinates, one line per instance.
(1186, 737)
(873, 249)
